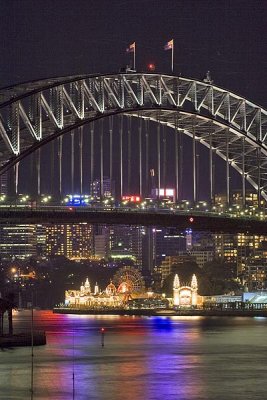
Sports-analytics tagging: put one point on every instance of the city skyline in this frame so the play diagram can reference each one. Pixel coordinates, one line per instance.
(133, 199)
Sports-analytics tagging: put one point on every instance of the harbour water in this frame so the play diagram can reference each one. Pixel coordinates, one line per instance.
(143, 358)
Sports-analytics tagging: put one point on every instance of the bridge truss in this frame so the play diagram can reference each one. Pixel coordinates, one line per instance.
(33, 114)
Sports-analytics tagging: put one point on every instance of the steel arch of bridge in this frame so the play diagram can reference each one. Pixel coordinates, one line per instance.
(232, 127)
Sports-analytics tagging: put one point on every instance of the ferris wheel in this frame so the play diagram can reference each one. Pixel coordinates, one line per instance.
(129, 279)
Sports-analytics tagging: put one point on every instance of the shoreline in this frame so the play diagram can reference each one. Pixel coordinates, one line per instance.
(164, 313)
(23, 339)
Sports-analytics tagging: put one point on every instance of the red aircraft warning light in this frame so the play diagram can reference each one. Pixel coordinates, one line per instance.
(191, 219)
(151, 67)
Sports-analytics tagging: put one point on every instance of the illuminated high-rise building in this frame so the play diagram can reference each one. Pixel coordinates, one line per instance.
(40, 240)
(136, 237)
(108, 188)
(255, 276)
(127, 241)
(101, 248)
(236, 199)
(149, 249)
(73, 241)
(239, 249)
(55, 240)
(251, 199)
(168, 243)
(79, 241)
(189, 239)
(160, 243)
(18, 241)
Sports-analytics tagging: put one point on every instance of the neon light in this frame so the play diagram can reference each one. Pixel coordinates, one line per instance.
(77, 200)
(133, 199)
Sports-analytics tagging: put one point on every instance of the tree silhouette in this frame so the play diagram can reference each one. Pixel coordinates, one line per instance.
(218, 278)
(7, 304)
(2, 312)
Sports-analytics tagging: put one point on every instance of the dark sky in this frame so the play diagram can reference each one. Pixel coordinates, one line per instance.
(43, 38)
(40, 38)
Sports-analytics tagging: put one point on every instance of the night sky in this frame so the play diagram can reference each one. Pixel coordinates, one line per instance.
(43, 38)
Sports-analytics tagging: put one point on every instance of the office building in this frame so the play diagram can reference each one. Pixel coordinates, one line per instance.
(108, 189)
(18, 241)
(72, 241)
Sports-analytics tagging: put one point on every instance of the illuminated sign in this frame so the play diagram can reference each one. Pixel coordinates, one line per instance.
(133, 199)
(76, 200)
(164, 192)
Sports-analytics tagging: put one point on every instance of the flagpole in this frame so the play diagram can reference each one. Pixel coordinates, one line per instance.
(134, 57)
(172, 53)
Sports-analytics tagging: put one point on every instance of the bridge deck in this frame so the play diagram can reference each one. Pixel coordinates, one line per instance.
(197, 222)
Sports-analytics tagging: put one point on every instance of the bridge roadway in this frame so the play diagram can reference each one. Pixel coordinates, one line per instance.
(197, 221)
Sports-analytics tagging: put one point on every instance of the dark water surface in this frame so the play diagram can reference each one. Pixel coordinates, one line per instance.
(155, 358)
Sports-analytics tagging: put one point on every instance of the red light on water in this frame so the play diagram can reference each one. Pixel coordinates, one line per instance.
(102, 330)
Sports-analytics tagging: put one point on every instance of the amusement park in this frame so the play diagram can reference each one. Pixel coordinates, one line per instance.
(126, 294)
(130, 294)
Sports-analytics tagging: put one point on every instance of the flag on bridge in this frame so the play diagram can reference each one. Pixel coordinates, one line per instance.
(131, 48)
(170, 46)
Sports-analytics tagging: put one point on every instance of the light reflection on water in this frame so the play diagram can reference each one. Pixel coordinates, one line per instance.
(144, 358)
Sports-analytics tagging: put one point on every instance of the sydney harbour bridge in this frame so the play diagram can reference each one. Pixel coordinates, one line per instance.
(142, 129)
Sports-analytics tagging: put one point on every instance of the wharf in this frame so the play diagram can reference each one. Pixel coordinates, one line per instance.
(165, 312)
